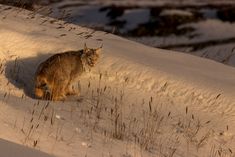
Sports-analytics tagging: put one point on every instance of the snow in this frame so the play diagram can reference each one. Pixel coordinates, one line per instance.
(134, 17)
(139, 78)
(213, 29)
(85, 16)
(10, 149)
(175, 12)
(212, 13)
(205, 31)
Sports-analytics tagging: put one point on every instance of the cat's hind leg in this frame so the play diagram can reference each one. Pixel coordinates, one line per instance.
(59, 91)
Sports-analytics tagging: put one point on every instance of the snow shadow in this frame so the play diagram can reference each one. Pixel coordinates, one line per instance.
(9, 149)
(20, 72)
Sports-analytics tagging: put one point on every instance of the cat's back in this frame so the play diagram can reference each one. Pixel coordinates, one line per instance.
(66, 61)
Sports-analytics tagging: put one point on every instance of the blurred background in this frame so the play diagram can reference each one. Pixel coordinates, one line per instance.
(204, 28)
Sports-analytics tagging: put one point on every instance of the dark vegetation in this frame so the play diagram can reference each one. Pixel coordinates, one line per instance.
(26, 4)
(165, 25)
(227, 14)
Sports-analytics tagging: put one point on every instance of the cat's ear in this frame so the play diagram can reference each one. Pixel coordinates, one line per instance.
(85, 48)
(98, 50)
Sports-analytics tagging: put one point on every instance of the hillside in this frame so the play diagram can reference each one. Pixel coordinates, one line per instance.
(138, 100)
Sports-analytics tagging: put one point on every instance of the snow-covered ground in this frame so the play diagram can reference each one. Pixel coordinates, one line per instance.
(138, 100)
(10, 149)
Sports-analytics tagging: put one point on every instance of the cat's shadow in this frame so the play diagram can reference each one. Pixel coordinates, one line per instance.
(20, 72)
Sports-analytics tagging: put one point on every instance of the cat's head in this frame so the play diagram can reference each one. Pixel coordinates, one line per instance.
(41, 89)
(91, 56)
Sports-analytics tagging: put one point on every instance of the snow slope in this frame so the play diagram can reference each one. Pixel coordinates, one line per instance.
(136, 77)
(10, 149)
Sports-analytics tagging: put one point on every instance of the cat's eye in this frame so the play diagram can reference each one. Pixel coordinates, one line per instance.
(43, 86)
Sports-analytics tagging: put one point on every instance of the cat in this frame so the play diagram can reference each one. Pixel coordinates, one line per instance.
(55, 76)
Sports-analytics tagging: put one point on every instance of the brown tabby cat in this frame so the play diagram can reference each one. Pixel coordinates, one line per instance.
(55, 76)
